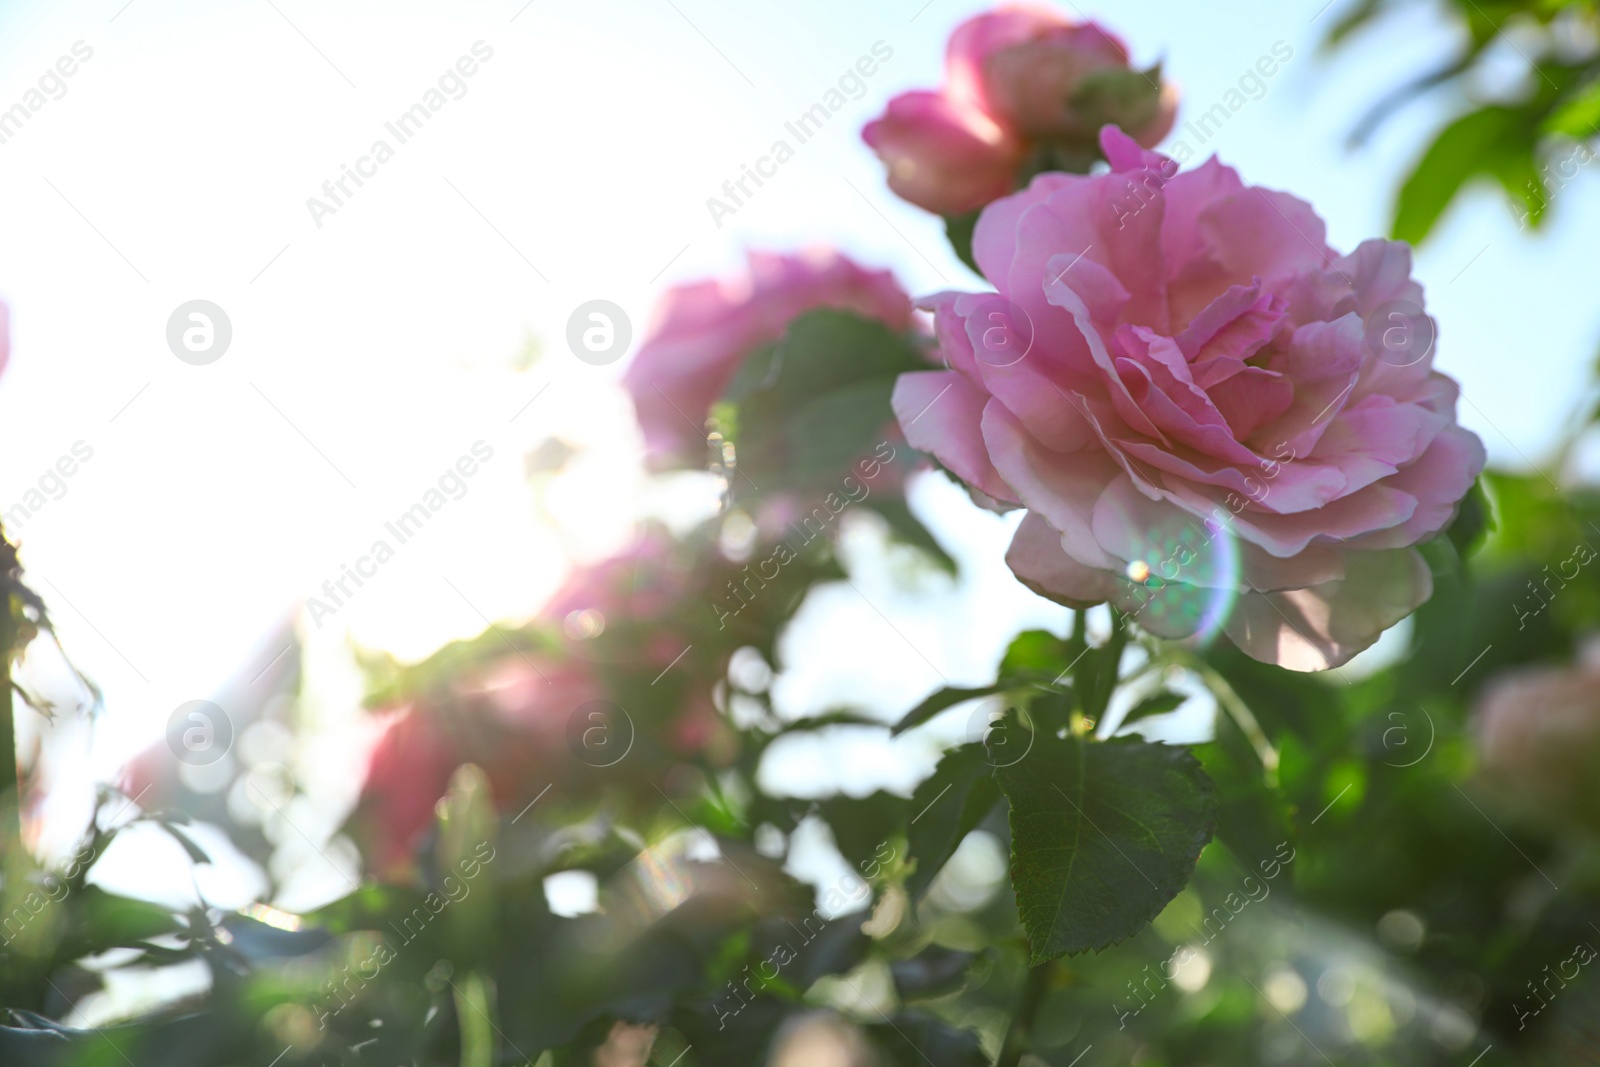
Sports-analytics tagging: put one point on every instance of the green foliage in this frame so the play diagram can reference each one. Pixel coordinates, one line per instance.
(807, 408)
(1103, 835)
(945, 808)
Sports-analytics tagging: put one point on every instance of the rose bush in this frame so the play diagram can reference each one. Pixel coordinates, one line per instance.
(1026, 90)
(1178, 381)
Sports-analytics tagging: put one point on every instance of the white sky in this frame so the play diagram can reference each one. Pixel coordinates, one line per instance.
(369, 353)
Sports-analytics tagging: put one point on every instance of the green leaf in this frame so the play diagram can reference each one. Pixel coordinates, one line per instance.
(950, 696)
(915, 1038)
(863, 826)
(1103, 835)
(828, 434)
(1579, 115)
(945, 808)
(1493, 141)
(1473, 520)
(906, 529)
(959, 229)
(1034, 650)
(801, 413)
(936, 971)
(1157, 704)
(196, 853)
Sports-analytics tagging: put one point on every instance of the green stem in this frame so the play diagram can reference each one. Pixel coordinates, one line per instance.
(1105, 676)
(1019, 1035)
(1242, 716)
(10, 791)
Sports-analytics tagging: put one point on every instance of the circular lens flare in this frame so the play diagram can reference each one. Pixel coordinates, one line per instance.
(1183, 579)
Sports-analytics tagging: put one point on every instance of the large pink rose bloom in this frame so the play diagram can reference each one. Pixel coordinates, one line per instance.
(1011, 78)
(1178, 380)
(704, 330)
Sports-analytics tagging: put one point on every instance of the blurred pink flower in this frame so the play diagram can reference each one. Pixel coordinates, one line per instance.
(704, 330)
(1191, 393)
(1011, 80)
(1538, 734)
(509, 716)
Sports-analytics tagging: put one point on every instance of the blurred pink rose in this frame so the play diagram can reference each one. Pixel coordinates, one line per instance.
(1538, 733)
(509, 716)
(527, 717)
(1193, 395)
(5, 334)
(703, 330)
(1011, 80)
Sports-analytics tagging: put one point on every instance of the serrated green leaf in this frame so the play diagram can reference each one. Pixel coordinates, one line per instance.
(1103, 835)
(947, 807)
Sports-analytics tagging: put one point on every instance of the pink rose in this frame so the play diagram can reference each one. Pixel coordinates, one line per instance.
(1018, 89)
(1538, 733)
(509, 716)
(1213, 420)
(704, 330)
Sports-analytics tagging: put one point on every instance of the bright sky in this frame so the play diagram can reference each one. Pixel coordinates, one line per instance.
(371, 351)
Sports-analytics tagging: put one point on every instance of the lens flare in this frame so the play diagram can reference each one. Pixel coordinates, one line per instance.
(1183, 579)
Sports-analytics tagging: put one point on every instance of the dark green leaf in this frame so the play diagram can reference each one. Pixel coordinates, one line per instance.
(959, 229)
(1473, 520)
(1156, 704)
(915, 1038)
(863, 827)
(936, 971)
(951, 696)
(945, 808)
(1103, 836)
(196, 853)
(907, 529)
